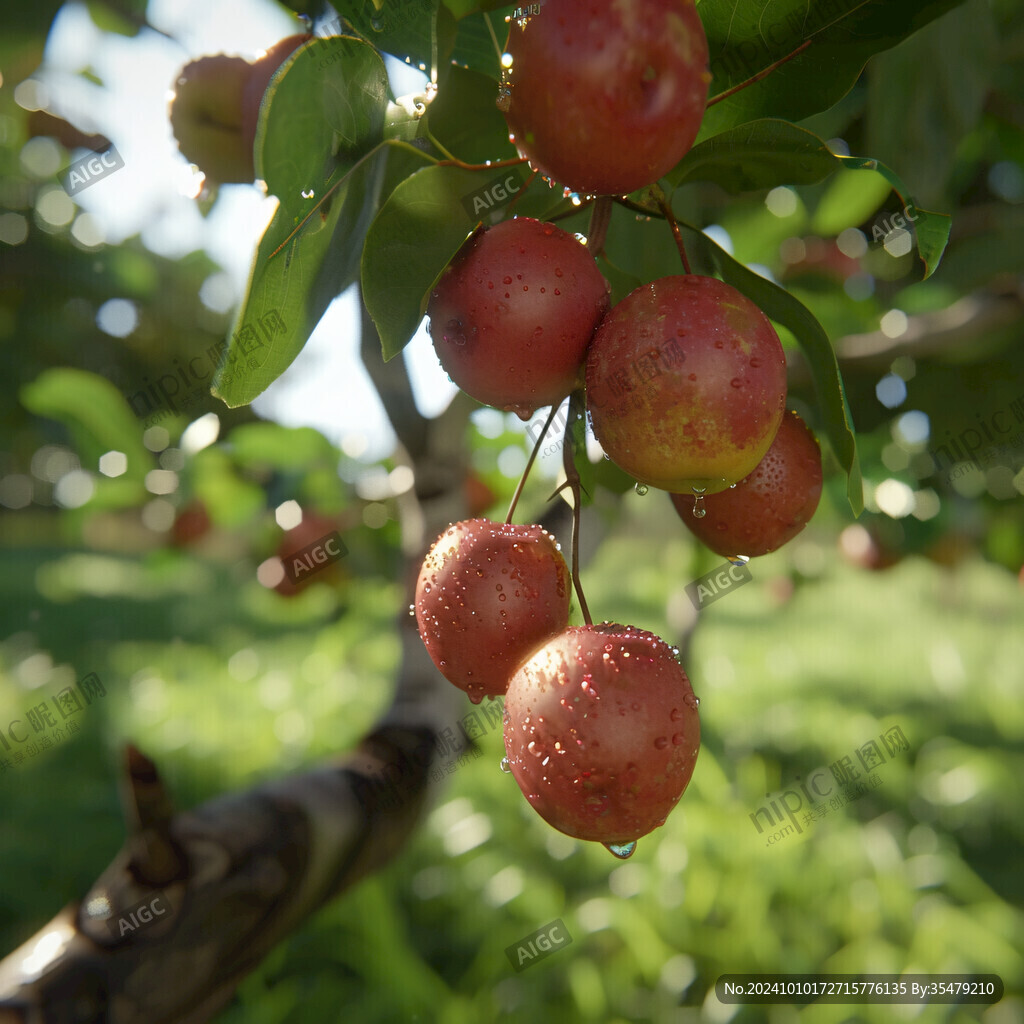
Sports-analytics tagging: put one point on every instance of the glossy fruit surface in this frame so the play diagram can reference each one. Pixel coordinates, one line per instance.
(686, 384)
(602, 732)
(513, 313)
(768, 507)
(487, 595)
(606, 97)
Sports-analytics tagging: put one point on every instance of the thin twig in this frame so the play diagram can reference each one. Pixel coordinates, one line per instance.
(667, 213)
(572, 480)
(530, 461)
(761, 74)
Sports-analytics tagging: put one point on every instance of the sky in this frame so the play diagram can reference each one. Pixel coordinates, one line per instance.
(152, 195)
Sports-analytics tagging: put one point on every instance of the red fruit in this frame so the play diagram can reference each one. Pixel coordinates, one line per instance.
(487, 596)
(602, 732)
(206, 117)
(771, 505)
(867, 547)
(686, 384)
(215, 107)
(512, 315)
(606, 97)
(191, 523)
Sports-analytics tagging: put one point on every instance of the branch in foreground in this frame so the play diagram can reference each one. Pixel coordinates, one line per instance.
(219, 886)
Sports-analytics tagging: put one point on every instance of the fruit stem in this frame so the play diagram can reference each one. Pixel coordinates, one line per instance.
(667, 213)
(572, 479)
(761, 74)
(530, 461)
(455, 162)
(600, 218)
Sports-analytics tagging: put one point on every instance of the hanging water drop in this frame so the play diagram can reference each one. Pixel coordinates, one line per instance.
(621, 850)
(699, 511)
(505, 766)
(640, 489)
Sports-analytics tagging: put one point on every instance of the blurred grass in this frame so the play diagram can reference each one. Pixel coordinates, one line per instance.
(225, 684)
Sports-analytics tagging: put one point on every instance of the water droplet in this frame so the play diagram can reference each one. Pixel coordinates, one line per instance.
(676, 714)
(377, 24)
(736, 382)
(505, 766)
(640, 489)
(699, 511)
(621, 850)
(677, 739)
(661, 742)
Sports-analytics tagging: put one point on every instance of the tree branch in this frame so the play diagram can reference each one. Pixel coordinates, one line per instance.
(224, 883)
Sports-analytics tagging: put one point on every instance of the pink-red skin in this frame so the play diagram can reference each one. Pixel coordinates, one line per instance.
(488, 594)
(513, 313)
(771, 505)
(686, 384)
(607, 97)
(622, 711)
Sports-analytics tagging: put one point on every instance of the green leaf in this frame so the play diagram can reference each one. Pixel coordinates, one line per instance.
(932, 229)
(285, 448)
(463, 117)
(758, 155)
(323, 110)
(318, 146)
(95, 413)
(776, 302)
(747, 36)
(289, 292)
(943, 74)
(413, 238)
(766, 153)
(849, 200)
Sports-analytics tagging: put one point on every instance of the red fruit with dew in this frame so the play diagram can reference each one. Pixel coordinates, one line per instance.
(770, 506)
(602, 732)
(686, 384)
(488, 594)
(606, 97)
(513, 313)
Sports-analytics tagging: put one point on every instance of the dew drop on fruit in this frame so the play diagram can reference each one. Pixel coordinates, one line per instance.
(739, 559)
(505, 766)
(736, 382)
(661, 742)
(640, 489)
(621, 850)
(699, 511)
(677, 739)
(676, 714)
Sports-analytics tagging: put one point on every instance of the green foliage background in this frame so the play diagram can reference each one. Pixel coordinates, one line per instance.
(225, 683)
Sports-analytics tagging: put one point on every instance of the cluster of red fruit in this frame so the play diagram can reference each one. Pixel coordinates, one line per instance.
(685, 383)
